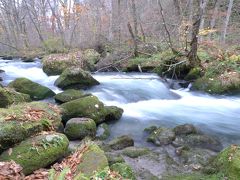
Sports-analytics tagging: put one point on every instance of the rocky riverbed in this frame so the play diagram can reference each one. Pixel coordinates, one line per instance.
(75, 137)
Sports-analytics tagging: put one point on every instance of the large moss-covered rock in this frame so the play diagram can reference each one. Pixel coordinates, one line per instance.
(228, 162)
(124, 170)
(55, 64)
(35, 90)
(79, 128)
(75, 78)
(93, 160)
(21, 121)
(113, 113)
(37, 152)
(89, 107)
(162, 136)
(121, 142)
(91, 57)
(69, 95)
(9, 96)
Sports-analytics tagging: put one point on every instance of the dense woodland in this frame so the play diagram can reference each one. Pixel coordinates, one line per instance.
(64, 24)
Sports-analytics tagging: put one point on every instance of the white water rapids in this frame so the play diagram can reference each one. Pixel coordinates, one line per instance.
(147, 101)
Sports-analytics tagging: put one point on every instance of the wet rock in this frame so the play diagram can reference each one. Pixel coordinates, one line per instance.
(19, 122)
(150, 129)
(2, 71)
(121, 142)
(114, 158)
(7, 58)
(75, 78)
(228, 162)
(28, 59)
(37, 152)
(198, 140)
(10, 96)
(134, 152)
(69, 95)
(79, 128)
(35, 90)
(89, 107)
(113, 113)
(93, 160)
(185, 129)
(124, 170)
(162, 136)
(103, 131)
(196, 157)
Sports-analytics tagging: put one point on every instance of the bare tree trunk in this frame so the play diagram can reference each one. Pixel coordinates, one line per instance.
(134, 14)
(203, 9)
(192, 55)
(229, 12)
(166, 29)
(214, 16)
(135, 50)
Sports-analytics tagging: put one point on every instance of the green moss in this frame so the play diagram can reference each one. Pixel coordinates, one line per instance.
(124, 170)
(9, 96)
(79, 128)
(19, 126)
(113, 113)
(114, 158)
(75, 78)
(35, 90)
(89, 107)
(121, 142)
(195, 73)
(93, 160)
(228, 162)
(69, 95)
(37, 152)
(91, 57)
(134, 152)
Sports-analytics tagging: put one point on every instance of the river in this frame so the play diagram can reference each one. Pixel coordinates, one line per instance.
(147, 100)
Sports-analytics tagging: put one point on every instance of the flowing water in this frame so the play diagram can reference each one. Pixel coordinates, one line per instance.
(146, 101)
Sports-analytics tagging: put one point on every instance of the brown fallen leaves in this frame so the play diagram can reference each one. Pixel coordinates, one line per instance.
(10, 171)
(233, 150)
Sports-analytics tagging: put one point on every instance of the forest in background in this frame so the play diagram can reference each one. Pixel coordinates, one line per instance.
(60, 25)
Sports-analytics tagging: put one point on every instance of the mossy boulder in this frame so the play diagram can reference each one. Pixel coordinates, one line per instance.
(91, 57)
(121, 142)
(124, 170)
(21, 121)
(185, 129)
(162, 136)
(103, 131)
(200, 141)
(134, 152)
(93, 160)
(35, 90)
(113, 113)
(223, 84)
(75, 78)
(69, 95)
(79, 128)
(9, 96)
(88, 106)
(114, 158)
(150, 129)
(37, 152)
(228, 162)
(55, 64)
